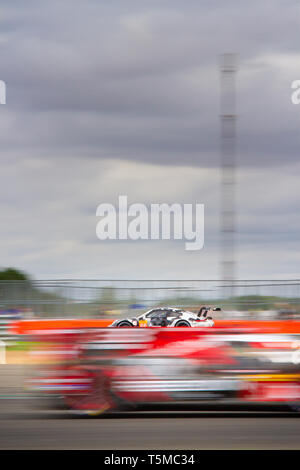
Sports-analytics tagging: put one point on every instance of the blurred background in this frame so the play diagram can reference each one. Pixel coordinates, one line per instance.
(165, 102)
(118, 98)
(252, 299)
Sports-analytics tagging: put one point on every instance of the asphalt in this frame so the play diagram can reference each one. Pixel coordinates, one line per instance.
(149, 430)
(25, 426)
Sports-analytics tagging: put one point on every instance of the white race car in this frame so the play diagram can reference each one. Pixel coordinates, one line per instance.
(168, 317)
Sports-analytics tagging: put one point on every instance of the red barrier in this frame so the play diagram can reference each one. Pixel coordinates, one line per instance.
(26, 327)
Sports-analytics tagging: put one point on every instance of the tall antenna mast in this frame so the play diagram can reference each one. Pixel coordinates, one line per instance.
(228, 165)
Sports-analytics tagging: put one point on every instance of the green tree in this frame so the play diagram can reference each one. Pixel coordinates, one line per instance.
(12, 274)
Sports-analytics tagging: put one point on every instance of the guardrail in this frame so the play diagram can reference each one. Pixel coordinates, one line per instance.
(96, 298)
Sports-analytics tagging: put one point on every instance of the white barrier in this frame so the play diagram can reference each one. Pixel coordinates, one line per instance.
(2, 352)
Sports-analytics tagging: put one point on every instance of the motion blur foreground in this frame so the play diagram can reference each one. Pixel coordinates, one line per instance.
(112, 369)
(250, 358)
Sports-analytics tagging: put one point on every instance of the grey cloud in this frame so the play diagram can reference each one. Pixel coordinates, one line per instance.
(141, 81)
(105, 98)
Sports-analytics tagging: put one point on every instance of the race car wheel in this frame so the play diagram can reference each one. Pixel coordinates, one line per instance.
(124, 324)
(97, 399)
(182, 323)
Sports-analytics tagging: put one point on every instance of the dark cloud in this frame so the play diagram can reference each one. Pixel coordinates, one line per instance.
(140, 80)
(105, 98)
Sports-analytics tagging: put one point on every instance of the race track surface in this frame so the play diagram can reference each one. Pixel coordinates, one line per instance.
(24, 426)
(150, 431)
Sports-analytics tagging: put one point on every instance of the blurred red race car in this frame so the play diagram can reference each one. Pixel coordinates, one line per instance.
(116, 369)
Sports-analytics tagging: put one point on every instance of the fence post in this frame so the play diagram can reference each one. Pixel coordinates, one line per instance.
(2, 352)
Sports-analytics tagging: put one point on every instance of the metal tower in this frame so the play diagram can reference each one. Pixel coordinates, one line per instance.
(228, 166)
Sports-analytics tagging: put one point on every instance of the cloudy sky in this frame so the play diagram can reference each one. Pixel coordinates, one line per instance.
(123, 97)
